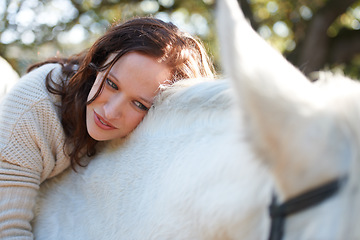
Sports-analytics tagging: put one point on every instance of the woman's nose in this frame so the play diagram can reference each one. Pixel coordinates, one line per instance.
(114, 107)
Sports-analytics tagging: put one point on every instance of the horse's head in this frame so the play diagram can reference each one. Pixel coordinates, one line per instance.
(307, 133)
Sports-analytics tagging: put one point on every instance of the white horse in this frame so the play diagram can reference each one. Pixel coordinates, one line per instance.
(8, 77)
(208, 157)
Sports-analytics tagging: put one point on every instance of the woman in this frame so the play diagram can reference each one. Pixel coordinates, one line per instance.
(62, 108)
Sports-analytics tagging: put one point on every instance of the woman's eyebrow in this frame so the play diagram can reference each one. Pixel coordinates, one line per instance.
(112, 76)
(150, 102)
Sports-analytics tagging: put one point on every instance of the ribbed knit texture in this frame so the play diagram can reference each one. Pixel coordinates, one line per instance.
(31, 149)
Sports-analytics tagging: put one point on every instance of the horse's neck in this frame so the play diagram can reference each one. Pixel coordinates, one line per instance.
(319, 222)
(303, 151)
(336, 218)
(318, 143)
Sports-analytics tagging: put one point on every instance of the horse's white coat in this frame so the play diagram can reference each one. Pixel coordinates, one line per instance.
(183, 174)
(8, 77)
(308, 133)
(198, 166)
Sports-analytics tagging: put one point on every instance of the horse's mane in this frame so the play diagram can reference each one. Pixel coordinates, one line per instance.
(209, 93)
(191, 97)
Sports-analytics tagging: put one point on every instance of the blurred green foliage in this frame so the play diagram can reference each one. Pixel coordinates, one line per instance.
(33, 30)
(332, 25)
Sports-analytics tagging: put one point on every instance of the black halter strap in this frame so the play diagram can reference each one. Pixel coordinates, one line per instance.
(278, 213)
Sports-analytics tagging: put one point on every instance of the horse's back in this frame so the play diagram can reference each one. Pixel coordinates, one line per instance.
(183, 174)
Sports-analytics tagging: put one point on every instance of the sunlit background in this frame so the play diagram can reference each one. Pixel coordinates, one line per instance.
(33, 30)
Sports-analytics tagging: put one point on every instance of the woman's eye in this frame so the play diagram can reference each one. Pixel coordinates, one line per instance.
(141, 106)
(111, 84)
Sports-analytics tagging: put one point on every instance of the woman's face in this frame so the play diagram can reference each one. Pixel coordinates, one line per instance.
(128, 93)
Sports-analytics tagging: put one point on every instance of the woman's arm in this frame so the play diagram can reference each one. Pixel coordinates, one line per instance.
(31, 150)
(18, 191)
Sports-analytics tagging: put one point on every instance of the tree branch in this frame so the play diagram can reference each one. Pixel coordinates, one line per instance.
(245, 7)
(345, 46)
(316, 42)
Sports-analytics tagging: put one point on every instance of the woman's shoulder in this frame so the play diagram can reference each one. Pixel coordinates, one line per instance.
(31, 87)
(28, 94)
(36, 78)
(28, 109)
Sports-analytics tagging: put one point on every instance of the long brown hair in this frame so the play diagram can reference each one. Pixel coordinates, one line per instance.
(184, 54)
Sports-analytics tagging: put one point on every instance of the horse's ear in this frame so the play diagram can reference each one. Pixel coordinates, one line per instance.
(283, 108)
(249, 58)
(270, 88)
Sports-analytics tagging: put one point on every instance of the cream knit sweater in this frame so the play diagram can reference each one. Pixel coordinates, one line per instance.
(31, 149)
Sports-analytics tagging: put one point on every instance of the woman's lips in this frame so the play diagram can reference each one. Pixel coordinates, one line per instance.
(102, 123)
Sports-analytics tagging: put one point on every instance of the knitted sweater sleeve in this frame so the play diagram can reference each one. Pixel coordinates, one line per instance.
(31, 150)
